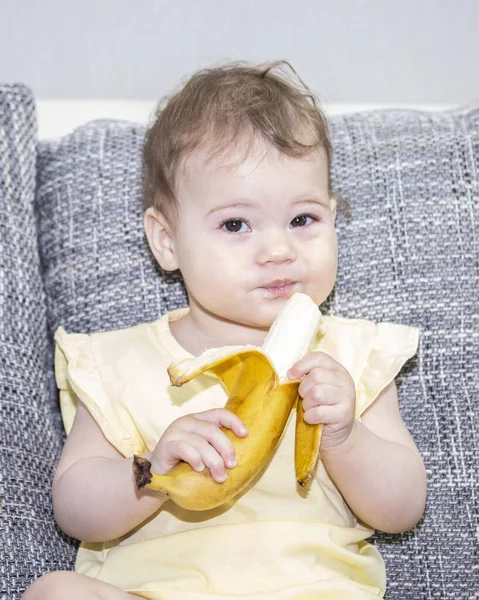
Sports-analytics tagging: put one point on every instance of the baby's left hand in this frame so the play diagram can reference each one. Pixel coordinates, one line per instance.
(328, 394)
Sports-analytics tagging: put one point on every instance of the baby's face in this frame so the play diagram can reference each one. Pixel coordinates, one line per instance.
(248, 237)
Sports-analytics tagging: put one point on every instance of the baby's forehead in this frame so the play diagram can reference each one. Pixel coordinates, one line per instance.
(250, 171)
(228, 153)
(231, 156)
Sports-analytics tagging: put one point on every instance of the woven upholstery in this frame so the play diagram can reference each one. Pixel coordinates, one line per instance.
(31, 434)
(408, 254)
(97, 267)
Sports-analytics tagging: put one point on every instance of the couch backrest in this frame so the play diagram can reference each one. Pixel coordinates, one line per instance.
(31, 434)
(408, 254)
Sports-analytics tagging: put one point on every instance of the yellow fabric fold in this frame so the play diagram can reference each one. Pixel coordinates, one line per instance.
(392, 346)
(78, 378)
(373, 353)
(265, 559)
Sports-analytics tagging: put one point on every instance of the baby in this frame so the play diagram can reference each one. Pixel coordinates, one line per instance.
(238, 198)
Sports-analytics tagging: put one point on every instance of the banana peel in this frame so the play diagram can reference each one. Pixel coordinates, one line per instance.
(306, 446)
(256, 396)
(260, 393)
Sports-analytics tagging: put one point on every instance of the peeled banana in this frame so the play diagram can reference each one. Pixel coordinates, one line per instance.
(259, 393)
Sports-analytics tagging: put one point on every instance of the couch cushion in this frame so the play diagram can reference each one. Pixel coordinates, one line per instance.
(408, 254)
(98, 270)
(31, 435)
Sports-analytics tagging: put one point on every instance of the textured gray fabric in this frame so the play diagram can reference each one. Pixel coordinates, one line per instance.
(31, 434)
(97, 268)
(408, 254)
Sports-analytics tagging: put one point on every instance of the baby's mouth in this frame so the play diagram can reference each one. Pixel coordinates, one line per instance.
(280, 288)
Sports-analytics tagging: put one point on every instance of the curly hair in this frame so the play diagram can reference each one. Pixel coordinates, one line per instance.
(220, 108)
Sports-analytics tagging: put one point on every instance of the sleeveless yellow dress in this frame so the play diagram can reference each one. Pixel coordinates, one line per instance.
(274, 540)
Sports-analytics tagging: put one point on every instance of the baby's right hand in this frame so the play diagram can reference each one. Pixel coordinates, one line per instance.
(198, 440)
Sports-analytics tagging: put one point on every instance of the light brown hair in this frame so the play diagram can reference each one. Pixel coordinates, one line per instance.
(219, 106)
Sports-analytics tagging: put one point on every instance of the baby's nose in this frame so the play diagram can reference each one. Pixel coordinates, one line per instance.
(276, 249)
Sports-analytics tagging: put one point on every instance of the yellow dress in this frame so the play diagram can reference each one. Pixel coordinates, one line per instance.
(274, 540)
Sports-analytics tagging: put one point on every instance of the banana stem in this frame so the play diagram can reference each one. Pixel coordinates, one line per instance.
(141, 471)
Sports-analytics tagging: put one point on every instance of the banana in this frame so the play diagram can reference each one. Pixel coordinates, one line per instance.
(259, 392)
(306, 448)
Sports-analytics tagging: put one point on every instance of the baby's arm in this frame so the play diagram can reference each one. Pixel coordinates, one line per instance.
(379, 469)
(94, 495)
(374, 463)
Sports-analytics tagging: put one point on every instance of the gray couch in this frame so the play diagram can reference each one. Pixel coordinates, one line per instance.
(72, 252)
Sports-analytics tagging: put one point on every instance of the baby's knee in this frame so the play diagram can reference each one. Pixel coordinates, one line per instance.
(73, 586)
(51, 586)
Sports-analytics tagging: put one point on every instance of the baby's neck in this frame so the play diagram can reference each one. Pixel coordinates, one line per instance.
(195, 337)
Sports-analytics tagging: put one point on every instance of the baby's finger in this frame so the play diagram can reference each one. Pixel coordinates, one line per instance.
(183, 449)
(321, 394)
(216, 438)
(319, 378)
(210, 457)
(324, 414)
(311, 361)
(224, 418)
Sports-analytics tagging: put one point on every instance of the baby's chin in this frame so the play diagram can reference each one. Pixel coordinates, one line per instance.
(256, 314)
(268, 310)
(264, 316)
(258, 323)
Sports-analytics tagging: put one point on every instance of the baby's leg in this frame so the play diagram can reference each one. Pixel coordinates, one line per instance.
(63, 585)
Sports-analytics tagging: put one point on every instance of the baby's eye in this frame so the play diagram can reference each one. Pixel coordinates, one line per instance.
(302, 220)
(235, 226)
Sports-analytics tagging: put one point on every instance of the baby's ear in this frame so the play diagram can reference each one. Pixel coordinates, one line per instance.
(159, 234)
(333, 202)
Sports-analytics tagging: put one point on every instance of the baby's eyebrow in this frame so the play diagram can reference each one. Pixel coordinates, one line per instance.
(312, 200)
(242, 203)
(246, 203)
